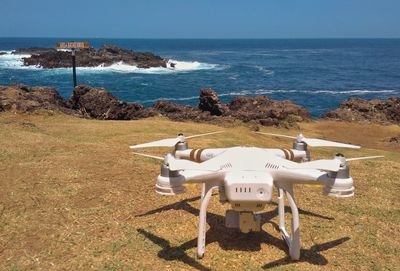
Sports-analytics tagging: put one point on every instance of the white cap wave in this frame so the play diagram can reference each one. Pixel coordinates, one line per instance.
(172, 66)
(12, 61)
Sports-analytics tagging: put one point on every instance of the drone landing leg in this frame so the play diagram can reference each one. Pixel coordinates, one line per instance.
(201, 239)
(292, 241)
(203, 192)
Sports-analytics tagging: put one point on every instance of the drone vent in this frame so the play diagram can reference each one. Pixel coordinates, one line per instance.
(269, 165)
(227, 165)
(243, 189)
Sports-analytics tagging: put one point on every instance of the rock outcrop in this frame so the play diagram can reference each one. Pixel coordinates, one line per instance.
(377, 111)
(209, 101)
(265, 111)
(21, 98)
(106, 56)
(395, 139)
(259, 109)
(32, 51)
(98, 103)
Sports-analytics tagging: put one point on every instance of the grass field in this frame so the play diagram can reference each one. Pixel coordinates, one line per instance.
(72, 197)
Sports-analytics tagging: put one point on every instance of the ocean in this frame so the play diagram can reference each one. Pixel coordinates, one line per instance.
(315, 73)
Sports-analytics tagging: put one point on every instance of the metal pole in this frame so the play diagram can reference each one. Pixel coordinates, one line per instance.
(74, 68)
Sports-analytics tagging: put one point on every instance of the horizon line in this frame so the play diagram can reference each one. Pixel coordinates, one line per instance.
(200, 38)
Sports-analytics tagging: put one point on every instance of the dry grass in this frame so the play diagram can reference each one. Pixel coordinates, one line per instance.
(72, 197)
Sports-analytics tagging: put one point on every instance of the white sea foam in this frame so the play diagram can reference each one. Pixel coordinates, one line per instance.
(263, 70)
(172, 67)
(11, 61)
(170, 99)
(311, 92)
(272, 91)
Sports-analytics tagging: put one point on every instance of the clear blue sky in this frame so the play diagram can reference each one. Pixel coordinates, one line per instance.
(201, 18)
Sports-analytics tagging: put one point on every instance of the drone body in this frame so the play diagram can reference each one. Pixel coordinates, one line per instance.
(246, 177)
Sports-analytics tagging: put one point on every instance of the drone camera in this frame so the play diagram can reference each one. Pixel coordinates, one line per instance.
(245, 221)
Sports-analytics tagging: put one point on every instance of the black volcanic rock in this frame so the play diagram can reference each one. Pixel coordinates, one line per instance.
(106, 56)
(209, 101)
(3, 53)
(258, 110)
(177, 111)
(98, 103)
(395, 139)
(265, 111)
(22, 98)
(32, 51)
(357, 109)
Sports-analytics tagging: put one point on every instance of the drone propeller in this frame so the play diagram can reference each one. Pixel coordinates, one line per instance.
(169, 142)
(329, 165)
(323, 164)
(314, 142)
(182, 164)
(148, 155)
(364, 158)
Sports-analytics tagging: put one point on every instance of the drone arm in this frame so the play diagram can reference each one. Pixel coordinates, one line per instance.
(289, 154)
(197, 176)
(336, 184)
(301, 176)
(198, 155)
(172, 182)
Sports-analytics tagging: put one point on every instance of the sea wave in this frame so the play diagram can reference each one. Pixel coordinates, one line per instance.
(173, 66)
(333, 92)
(263, 70)
(170, 99)
(273, 91)
(11, 61)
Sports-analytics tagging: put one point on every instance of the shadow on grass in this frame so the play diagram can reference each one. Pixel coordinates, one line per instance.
(232, 239)
(170, 253)
(311, 255)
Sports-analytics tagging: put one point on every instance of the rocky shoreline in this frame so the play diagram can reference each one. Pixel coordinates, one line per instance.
(105, 56)
(360, 110)
(98, 103)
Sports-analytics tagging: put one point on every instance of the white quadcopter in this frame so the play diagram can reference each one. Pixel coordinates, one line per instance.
(245, 177)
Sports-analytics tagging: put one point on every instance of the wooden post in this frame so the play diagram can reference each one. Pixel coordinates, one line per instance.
(73, 46)
(74, 68)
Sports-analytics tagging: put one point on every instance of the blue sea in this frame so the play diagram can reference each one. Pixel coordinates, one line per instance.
(315, 73)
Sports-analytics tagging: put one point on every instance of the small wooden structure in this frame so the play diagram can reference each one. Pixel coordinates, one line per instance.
(73, 45)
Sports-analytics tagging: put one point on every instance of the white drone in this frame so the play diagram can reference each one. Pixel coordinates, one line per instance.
(245, 177)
